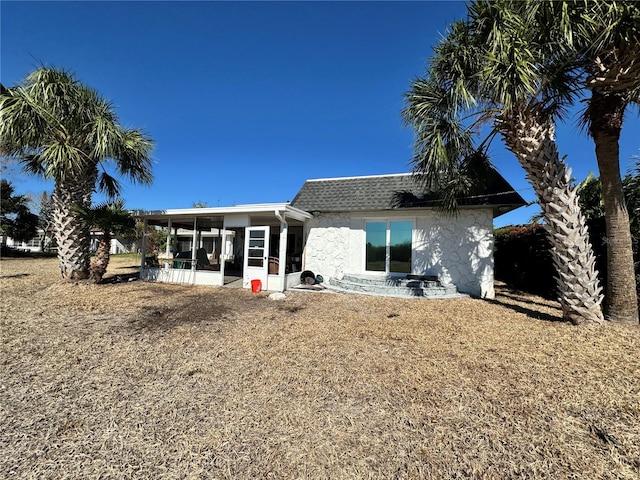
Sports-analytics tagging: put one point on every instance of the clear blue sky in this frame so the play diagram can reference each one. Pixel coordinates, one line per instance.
(248, 100)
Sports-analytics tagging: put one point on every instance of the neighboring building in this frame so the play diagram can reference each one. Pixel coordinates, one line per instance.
(118, 244)
(46, 242)
(374, 225)
(38, 243)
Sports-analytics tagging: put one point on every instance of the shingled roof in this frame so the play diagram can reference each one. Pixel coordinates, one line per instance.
(394, 192)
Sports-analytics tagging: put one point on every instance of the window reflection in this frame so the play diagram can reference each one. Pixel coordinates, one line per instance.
(394, 256)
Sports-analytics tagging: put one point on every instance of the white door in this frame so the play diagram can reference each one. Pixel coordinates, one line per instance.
(256, 256)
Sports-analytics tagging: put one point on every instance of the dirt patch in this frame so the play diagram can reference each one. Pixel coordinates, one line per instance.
(151, 381)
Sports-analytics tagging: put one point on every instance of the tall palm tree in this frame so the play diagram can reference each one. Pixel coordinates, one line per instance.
(110, 219)
(493, 68)
(65, 131)
(606, 40)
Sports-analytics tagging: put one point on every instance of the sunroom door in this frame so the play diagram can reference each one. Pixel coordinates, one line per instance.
(256, 255)
(389, 246)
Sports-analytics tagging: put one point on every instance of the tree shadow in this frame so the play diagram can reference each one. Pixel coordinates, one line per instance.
(120, 278)
(517, 296)
(17, 275)
(521, 304)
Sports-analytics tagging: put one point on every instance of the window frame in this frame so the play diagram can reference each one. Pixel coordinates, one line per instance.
(388, 221)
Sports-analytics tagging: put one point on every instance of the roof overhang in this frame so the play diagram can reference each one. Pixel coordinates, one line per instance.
(186, 215)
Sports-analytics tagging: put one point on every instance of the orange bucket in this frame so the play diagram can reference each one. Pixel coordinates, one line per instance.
(256, 286)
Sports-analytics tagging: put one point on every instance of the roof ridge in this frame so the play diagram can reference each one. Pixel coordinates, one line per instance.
(360, 177)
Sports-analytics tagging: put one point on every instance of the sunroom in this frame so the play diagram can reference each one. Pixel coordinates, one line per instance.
(244, 245)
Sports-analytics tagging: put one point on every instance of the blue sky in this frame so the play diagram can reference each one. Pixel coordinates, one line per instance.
(247, 100)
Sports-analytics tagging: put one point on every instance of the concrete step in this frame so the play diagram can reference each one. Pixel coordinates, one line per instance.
(394, 286)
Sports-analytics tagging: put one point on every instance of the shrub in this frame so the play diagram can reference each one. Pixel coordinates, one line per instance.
(523, 259)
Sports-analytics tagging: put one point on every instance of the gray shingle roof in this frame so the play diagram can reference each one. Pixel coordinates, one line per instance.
(391, 192)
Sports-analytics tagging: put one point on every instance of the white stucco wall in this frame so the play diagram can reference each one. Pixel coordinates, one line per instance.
(458, 249)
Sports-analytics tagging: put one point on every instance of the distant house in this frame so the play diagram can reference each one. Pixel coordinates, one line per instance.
(117, 246)
(46, 242)
(376, 226)
(42, 241)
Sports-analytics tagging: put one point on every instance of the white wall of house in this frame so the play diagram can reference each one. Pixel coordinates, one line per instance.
(458, 249)
(118, 247)
(178, 275)
(33, 245)
(329, 238)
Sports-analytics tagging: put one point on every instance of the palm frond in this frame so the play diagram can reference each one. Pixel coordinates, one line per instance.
(132, 156)
(109, 216)
(109, 185)
(33, 164)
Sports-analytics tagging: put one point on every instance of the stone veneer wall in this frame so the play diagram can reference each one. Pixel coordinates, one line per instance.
(458, 249)
(327, 247)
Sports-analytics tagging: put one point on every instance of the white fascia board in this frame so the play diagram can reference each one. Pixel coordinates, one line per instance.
(285, 208)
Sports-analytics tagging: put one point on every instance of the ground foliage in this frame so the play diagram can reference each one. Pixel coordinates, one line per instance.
(152, 381)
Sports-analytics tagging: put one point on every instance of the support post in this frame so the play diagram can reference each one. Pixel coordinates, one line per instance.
(143, 248)
(168, 249)
(282, 260)
(223, 253)
(194, 244)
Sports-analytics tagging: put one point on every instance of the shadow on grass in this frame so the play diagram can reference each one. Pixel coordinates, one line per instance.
(121, 278)
(519, 297)
(17, 275)
(522, 303)
(529, 312)
(7, 252)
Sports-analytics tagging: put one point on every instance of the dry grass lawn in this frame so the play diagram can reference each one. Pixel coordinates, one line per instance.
(150, 381)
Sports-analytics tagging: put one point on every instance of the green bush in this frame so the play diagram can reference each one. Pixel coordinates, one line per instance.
(522, 259)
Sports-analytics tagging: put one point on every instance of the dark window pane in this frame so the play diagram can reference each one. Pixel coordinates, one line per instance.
(400, 247)
(376, 252)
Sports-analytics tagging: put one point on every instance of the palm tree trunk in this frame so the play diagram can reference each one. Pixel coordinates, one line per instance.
(530, 137)
(101, 258)
(606, 114)
(71, 232)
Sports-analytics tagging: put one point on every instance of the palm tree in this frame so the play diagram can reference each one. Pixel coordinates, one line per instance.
(65, 131)
(606, 39)
(110, 219)
(493, 68)
(16, 220)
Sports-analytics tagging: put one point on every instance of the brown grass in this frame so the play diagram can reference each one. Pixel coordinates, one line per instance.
(151, 381)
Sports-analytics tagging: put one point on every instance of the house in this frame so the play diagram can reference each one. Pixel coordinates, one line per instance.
(45, 241)
(377, 226)
(117, 245)
(41, 242)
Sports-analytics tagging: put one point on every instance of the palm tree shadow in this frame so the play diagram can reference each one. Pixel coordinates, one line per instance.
(519, 297)
(518, 302)
(120, 278)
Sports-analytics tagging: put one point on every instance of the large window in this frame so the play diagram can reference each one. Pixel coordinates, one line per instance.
(388, 246)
